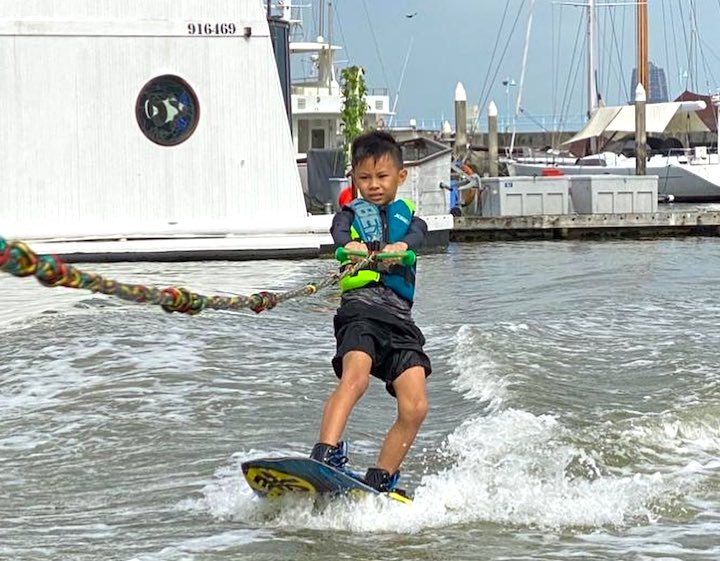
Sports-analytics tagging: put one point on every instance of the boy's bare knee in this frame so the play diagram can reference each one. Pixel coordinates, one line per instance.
(355, 381)
(413, 412)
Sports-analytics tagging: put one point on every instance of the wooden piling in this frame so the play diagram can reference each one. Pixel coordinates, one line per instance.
(493, 139)
(461, 140)
(640, 131)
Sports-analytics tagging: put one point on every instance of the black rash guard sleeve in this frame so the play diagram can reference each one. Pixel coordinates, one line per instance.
(415, 236)
(340, 229)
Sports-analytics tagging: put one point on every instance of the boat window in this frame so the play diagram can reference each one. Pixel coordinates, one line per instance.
(318, 138)
(167, 110)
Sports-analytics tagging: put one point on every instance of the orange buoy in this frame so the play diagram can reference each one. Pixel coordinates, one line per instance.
(346, 197)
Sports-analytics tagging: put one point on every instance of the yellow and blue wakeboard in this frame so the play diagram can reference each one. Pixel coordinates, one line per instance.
(275, 477)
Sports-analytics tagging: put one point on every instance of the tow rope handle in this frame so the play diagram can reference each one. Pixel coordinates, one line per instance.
(407, 258)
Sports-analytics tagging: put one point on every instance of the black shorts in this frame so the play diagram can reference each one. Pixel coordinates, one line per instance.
(394, 345)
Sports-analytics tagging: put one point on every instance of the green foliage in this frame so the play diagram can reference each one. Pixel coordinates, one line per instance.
(354, 105)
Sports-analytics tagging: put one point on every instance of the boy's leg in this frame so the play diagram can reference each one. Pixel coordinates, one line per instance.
(412, 407)
(353, 384)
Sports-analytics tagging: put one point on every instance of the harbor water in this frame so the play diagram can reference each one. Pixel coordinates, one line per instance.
(575, 412)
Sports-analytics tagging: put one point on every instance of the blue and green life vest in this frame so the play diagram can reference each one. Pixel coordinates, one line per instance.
(369, 227)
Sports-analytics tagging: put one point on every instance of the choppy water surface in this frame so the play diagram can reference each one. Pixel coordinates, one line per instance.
(575, 413)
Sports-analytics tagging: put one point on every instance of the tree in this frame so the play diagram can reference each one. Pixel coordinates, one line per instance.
(354, 105)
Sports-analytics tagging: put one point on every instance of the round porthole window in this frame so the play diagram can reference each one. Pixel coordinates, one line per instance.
(167, 110)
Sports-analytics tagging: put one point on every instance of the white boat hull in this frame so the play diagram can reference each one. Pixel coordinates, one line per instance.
(309, 237)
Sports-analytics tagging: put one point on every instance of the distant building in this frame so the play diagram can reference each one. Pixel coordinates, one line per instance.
(658, 84)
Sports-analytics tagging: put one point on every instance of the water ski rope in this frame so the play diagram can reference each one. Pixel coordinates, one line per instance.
(19, 260)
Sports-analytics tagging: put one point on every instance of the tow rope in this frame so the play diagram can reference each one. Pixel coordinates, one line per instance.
(16, 258)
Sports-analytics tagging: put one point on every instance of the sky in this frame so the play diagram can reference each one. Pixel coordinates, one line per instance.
(481, 43)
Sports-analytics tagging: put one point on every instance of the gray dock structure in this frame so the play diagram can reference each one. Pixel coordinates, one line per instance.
(577, 207)
(586, 226)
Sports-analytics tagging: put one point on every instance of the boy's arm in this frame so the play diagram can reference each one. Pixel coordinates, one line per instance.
(340, 229)
(415, 236)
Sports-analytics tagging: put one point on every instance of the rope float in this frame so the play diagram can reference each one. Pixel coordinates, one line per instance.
(16, 258)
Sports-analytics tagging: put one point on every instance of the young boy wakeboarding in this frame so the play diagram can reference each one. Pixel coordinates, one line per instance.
(374, 329)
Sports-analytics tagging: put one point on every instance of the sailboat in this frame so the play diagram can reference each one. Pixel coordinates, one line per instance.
(683, 175)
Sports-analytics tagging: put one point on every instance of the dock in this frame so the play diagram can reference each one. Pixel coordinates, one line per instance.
(586, 226)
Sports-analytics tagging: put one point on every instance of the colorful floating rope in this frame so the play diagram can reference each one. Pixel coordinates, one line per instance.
(19, 260)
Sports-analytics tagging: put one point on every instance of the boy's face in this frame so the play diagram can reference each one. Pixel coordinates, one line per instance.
(378, 179)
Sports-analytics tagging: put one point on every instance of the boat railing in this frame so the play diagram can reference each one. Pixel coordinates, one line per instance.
(669, 152)
(698, 152)
(310, 80)
(525, 123)
(431, 124)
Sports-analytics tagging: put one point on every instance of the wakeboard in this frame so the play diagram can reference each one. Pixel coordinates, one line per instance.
(275, 477)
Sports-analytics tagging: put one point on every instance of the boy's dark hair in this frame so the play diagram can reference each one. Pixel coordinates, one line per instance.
(376, 144)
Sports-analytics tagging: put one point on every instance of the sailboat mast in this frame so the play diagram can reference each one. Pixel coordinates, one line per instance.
(330, 51)
(592, 59)
(518, 102)
(321, 19)
(642, 45)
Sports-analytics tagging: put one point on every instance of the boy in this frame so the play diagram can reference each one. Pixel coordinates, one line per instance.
(374, 329)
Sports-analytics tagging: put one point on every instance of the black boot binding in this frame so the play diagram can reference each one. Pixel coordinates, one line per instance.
(335, 456)
(381, 480)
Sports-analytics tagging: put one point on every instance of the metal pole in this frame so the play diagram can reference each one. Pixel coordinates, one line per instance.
(716, 100)
(518, 99)
(330, 51)
(402, 77)
(507, 120)
(642, 45)
(321, 22)
(592, 69)
(592, 62)
(507, 105)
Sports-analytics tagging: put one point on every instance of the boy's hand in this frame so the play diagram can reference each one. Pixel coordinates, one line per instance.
(397, 247)
(356, 246)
